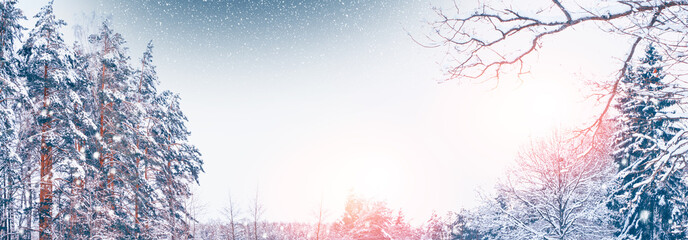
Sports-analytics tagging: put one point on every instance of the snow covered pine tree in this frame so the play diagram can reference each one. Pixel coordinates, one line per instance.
(87, 144)
(112, 152)
(145, 197)
(52, 88)
(11, 99)
(651, 196)
(140, 142)
(171, 161)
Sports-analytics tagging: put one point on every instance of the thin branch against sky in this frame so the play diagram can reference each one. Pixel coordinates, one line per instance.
(325, 99)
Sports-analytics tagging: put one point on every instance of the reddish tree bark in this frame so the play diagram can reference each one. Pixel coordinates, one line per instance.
(46, 186)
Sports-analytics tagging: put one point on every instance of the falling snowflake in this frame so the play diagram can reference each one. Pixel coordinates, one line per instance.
(644, 215)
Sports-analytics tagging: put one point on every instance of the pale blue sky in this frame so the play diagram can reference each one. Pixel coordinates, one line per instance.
(305, 99)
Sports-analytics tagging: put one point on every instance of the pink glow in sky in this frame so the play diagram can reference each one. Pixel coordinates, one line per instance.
(303, 117)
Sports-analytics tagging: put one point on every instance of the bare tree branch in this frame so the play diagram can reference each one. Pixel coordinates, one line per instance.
(476, 43)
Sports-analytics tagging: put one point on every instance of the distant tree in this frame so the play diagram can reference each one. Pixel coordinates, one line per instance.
(453, 226)
(194, 208)
(231, 212)
(364, 219)
(557, 190)
(256, 215)
(320, 225)
(400, 229)
(296, 231)
(463, 226)
(652, 191)
(210, 230)
(436, 228)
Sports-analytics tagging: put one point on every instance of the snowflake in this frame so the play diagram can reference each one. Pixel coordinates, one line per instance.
(644, 215)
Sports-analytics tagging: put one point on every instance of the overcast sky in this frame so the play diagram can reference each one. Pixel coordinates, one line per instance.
(303, 100)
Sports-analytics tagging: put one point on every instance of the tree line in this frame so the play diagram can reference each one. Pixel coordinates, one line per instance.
(89, 147)
(363, 218)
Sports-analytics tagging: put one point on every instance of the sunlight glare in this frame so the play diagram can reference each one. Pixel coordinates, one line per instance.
(376, 177)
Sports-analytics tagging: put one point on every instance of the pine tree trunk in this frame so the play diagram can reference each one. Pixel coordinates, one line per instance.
(136, 198)
(5, 216)
(29, 208)
(138, 160)
(5, 226)
(46, 198)
(101, 157)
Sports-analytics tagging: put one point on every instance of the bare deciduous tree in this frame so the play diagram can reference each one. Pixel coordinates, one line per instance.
(319, 226)
(231, 212)
(556, 191)
(256, 214)
(195, 210)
